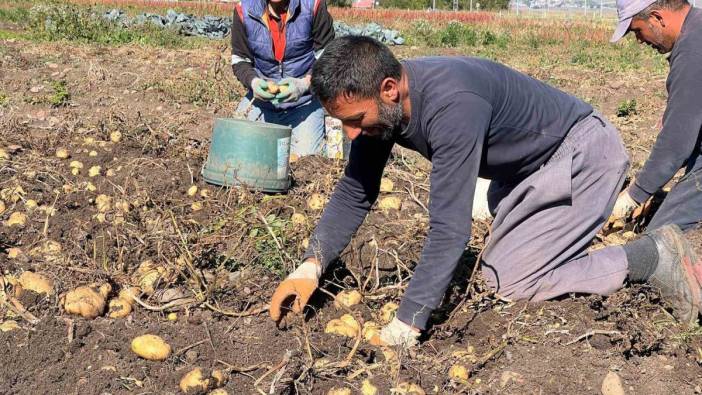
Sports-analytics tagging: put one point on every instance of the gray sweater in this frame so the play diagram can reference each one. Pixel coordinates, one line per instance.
(680, 138)
(470, 117)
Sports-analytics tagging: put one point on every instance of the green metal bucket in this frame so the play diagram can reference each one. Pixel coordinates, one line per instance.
(252, 154)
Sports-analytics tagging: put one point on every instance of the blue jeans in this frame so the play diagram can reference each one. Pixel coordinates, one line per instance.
(306, 121)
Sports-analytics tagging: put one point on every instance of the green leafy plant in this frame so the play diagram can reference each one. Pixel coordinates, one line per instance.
(626, 108)
(60, 95)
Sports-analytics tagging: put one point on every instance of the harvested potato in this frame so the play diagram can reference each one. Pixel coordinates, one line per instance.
(12, 194)
(94, 171)
(110, 173)
(196, 206)
(49, 251)
(316, 201)
(192, 190)
(86, 301)
(273, 87)
(387, 312)
(370, 329)
(298, 219)
(116, 136)
(386, 185)
(9, 325)
(283, 88)
(13, 253)
(103, 203)
(122, 205)
(4, 155)
(367, 388)
(390, 202)
(92, 153)
(148, 275)
(348, 298)
(2, 207)
(344, 326)
(76, 167)
(218, 377)
(205, 193)
(219, 391)
(119, 308)
(339, 391)
(88, 141)
(305, 243)
(151, 347)
(193, 382)
(90, 187)
(30, 204)
(458, 373)
(16, 219)
(62, 153)
(408, 389)
(172, 317)
(36, 283)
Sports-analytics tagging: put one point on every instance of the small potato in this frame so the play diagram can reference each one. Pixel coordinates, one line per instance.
(151, 347)
(4, 155)
(408, 389)
(13, 253)
(370, 329)
(367, 388)
(36, 283)
(193, 382)
(192, 190)
(386, 185)
(16, 219)
(387, 312)
(344, 326)
(9, 326)
(219, 391)
(85, 301)
(119, 308)
(116, 136)
(62, 153)
(458, 373)
(273, 87)
(94, 171)
(348, 298)
(103, 203)
(339, 391)
(196, 206)
(298, 219)
(316, 201)
(390, 202)
(2, 207)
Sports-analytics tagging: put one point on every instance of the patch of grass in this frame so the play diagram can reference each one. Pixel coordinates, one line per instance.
(60, 95)
(626, 108)
(16, 14)
(4, 99)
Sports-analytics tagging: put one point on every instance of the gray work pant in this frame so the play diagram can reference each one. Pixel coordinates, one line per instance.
(683, 204)
(544, 224)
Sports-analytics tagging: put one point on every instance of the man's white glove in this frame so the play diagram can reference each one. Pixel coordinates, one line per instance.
(624, 206)
(396, 333)
(292, 89)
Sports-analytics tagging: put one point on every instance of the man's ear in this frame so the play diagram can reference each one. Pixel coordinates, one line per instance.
(389, 90)
(657, 17)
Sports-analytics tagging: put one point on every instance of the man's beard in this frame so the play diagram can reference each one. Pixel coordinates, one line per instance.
(390, 116)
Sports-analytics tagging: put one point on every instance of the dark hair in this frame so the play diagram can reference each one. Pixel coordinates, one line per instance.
(673, 5)
(355, 66)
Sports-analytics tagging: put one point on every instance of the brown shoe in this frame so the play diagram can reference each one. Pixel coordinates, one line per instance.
(678, 274)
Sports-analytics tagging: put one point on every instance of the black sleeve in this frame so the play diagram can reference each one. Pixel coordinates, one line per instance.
(457, 149)
(682, 121)
(242, 58)
(352, 199)
(322, 27)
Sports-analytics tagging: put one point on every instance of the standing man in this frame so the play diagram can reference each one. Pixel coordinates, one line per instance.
(670, 26)
(274, 45)
(556, 167)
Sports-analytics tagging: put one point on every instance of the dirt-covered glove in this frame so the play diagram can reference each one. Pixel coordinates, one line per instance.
(396, 333)
(294, 292)
(260, 89)
(624, 207)
(292, 89)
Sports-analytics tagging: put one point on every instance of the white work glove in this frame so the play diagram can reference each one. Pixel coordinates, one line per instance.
(396, 333)
(292, 89)
(624, 207)
(295, 291)
(260, 89)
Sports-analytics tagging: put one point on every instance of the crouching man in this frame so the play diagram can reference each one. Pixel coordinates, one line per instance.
(556, 168)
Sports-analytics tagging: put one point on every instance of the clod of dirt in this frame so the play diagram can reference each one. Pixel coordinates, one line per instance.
(151, 347)
(387, 312)
(9, 325)
(386, 185)
(16, 219)
(390, 202)
(94, 171)
(49, 251)
(367, 388)
(316, 202)
(339, 391)
(508, 377)
(86, 301)
(62, 153)
(36, 283)
(344, 326)
(298, 219)
(194, 382)
(116, 136)
(458, 373)
(348, 298)
(408, 389)
(192, 191)
(612, 385)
